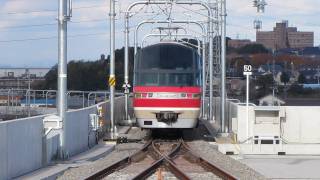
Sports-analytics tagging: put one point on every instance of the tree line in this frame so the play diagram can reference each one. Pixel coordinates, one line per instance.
(87, 75)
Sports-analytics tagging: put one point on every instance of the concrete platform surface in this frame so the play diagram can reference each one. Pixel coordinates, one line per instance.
(285, 167)
(52, 171)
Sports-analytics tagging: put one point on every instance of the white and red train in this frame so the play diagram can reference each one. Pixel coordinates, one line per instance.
(167, 89)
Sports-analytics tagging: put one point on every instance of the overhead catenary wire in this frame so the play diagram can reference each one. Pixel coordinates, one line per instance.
(69, 36)
(49, 24)
(53, 37)
(51, 10)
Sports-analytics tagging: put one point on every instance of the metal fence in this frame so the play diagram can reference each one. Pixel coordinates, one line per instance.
(30, 102)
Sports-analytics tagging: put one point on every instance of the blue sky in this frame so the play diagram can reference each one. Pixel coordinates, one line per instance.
(22, 21)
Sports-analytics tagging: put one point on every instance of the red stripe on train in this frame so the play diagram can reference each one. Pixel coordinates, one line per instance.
(166, 89)
(174, 103)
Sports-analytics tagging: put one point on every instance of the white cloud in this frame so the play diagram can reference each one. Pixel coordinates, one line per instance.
(241, 14)
(15, 12)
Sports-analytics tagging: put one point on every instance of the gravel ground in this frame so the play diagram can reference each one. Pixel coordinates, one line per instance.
(136, 133)
(195, 136)
(165, 175)
(211, 154)
(121, 151)
(195, 176)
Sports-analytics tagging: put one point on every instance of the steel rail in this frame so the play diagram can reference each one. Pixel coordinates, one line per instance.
(206, 164)
(165, 159)
(121, 163)
(171, 165)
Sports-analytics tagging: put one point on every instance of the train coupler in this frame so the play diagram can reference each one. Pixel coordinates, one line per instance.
(167, 116)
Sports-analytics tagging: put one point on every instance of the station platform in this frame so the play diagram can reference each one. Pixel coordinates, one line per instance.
(284, 167)
(52, 171)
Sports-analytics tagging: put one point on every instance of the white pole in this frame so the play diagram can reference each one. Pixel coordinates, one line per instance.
(247, 72)
(62, 72)
(112, 78)
(126, 84)
(247, 105)
(224, 123)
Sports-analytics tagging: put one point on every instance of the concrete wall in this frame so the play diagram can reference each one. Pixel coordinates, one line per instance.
(24, 147)
(231, 112)
(51, 147)
(21, 146)
(77, 136)
(241, 122)
(299, 124)
(302, 124)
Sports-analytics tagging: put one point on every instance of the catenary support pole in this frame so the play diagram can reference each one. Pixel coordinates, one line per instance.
(203, 105)
(112, 76)
(224, 124)
(211, 72)
(62, 72)
(126, 84)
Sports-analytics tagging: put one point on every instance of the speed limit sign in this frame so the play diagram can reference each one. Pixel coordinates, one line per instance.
(247, 70)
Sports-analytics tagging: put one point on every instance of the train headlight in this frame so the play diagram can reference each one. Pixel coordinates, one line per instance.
(196, 96)
(137, 95)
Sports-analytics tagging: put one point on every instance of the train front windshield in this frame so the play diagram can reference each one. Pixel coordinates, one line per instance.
(167, 65)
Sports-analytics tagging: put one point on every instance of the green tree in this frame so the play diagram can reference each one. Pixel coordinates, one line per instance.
(91, 75)
(264, 84)
(301, 79)
(284, 77)
(252, 49)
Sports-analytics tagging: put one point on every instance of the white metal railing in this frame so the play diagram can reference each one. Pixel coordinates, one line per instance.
(24, 100)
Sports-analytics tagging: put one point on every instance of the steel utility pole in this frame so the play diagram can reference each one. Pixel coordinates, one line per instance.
(63, 17)
(224, 128)
(112, 77)
(126, 84)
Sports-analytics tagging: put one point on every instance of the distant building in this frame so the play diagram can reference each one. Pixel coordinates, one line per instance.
(238, 43)
(19, 78)
(23, 72)
(310, 52)
(311, 75)
(283, 36)
(269, 69)
(4, 100)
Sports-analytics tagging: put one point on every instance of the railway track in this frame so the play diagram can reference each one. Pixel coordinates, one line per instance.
(162, 160)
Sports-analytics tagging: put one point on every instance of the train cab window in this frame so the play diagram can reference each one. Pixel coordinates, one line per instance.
(167, 65)
(150, 79)
(166, 57)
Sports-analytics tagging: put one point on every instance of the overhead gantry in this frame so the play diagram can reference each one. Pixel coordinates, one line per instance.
(210, 32)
